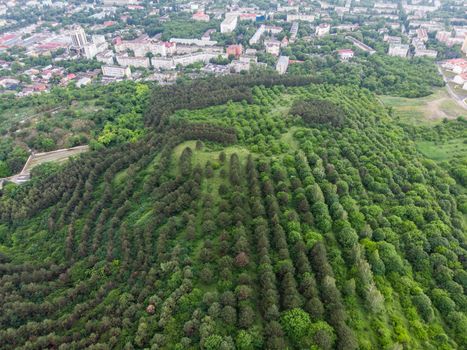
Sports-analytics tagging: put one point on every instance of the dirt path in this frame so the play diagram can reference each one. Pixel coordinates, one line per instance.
(434, 110)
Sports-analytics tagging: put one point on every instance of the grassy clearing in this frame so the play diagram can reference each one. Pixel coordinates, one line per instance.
(425, 110)
(202, 156)
(289, 139)
(442, 151)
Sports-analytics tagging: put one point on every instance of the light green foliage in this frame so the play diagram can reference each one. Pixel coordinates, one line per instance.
(301, 331)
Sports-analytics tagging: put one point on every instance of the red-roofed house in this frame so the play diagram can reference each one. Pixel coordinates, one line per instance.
(7, 37)
(40, 87)
(235, 50)
(50, 46)
(460, 68)
(345, 54)
(200, 16)
(247, 17)
(455, 65)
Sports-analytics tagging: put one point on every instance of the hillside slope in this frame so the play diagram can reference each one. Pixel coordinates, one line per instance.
(235, 224)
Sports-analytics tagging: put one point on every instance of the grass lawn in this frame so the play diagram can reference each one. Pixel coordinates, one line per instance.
(202, 156)
(430, 109)
(442, 151)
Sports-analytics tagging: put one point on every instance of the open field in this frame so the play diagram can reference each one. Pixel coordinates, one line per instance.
(430, 109)
(442, 151)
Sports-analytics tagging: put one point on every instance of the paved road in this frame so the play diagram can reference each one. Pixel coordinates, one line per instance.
(39, 158)
(454, 96)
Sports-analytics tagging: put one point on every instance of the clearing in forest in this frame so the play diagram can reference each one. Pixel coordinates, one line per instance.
(429, 109)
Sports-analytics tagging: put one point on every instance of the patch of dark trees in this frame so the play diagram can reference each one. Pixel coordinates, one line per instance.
(212, 91)
(316, 112)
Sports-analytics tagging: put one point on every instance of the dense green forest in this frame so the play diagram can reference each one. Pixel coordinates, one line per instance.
(242, 218)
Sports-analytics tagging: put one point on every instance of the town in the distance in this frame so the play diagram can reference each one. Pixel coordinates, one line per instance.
(46, 43)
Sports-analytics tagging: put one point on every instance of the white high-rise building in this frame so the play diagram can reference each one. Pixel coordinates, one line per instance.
(78, 37)
(229, 24)
(282, 64)
(90, 50)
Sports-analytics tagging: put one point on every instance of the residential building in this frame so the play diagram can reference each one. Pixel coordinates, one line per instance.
(460, 79)
(464, 45)
(229, 24)
(273, 47)
(248, 17)
(460, 68)
(360, 45)
(207, 34)
(422, 34)
(197, 42)
(346, 27)
(163, 48)
(282, 64)
(293, 31)
(273, 29)
(120, 2)
(257, 36)
(426, 53)
(239, 66)
(248, 58)
(345, 54)
(281, 8)
(448, 39)
(133, 61)
(443, 36)
(90, 50)
(106, 57)
(83, 81)
(200, 16)
(78, 37)
(183, 60)
(264, 29)
(392, 39)
(143, 44)
(456, 65)
(323, 29)
(399, 50)
(98, 39)
(116, 71)
(235, 50)
(300, 17)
